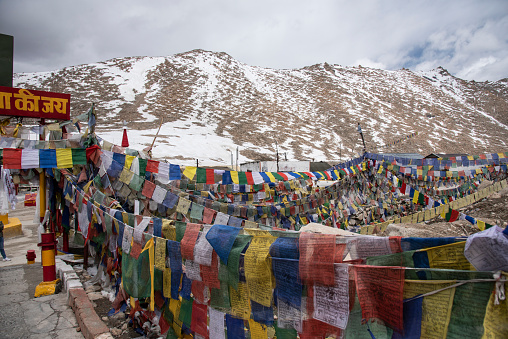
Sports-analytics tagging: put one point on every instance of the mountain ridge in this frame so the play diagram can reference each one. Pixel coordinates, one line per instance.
(211, 104)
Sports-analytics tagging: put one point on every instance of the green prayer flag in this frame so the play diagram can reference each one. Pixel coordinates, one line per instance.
(242, 178)
(201, 175)
(180, 230)
(186, 312)
(234, 259)
(78, 156)
(142, 167)
(285, 333)
(137, 183)
(219, 298)
(197, 211)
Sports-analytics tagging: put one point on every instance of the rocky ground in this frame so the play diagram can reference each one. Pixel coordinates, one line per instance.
(119, 324)
(492, 210)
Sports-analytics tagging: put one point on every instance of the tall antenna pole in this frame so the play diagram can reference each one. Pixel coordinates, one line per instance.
(363, 140)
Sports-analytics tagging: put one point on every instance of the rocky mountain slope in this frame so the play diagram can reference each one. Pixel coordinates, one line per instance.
(211, 104)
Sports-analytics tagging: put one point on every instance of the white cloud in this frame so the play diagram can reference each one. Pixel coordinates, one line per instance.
(455, 34)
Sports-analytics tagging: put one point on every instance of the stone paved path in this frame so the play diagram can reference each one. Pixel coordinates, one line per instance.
(23, 316)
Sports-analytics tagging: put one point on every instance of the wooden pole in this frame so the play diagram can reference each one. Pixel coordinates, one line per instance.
(153, 142)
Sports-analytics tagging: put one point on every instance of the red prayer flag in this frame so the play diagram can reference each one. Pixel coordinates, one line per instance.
(12, 158)
(198, 291)
(148, 189)
(208, 215)
(199, 320)
(380, 292)
(210, 274)
(189, 241)
(395, 245)
(93, 153)
(454, 215)
(152, 166)
(317, 254)
(283, 175)
(210, 176)
(250, 179)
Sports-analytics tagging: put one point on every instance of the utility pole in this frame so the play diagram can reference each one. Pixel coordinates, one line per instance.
(277, 152)
(231, 160)
(363, 140)
(236, 158)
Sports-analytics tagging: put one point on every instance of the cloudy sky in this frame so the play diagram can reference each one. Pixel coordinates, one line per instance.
(468, 38)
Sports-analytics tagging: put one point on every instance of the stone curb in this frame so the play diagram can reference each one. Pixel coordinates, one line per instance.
(91, 325)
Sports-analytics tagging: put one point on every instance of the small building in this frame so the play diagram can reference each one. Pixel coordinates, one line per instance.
(285, 166)
(403, 155)
(443, 155)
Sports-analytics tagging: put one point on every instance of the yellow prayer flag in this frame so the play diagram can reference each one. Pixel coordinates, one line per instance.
(449, 256)
(150, 248)
(256, 232)
(337, 174)
(128, 161)
(436, 308)
(166, 278)
(174, 307)
(415, 197)
(270, 175)
(258, 270)
(126, 176)
(257, 330)
(421, 216)
(240, 302)
(481, 225)
(190, 171)
(160, 254)
(64, 157)
(504, 183)
(87, 186)
(493, 324)
(234, 177)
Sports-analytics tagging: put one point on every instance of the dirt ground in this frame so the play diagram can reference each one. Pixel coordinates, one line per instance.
(492, 209)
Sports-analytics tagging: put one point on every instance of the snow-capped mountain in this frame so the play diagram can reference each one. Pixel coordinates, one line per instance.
(210, 104)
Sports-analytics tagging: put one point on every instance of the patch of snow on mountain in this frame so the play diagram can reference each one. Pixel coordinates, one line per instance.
(132, 82)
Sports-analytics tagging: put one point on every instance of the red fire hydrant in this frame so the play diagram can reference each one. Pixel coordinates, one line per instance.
(30, 257)
(48, 250)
